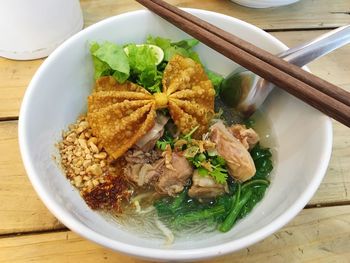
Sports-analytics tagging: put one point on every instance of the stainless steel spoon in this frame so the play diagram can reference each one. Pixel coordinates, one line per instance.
(246, 91)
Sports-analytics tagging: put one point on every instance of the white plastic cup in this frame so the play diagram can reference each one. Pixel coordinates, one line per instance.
(31, 29)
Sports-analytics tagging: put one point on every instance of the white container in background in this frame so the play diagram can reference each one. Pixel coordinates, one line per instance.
(264, 3)
(31, 29)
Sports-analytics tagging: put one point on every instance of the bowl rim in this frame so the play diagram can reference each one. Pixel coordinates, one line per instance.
(161, 253)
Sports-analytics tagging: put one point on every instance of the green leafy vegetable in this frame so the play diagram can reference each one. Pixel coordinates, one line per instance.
(258, 193)
(174, 50)
(218, 160)
(183, 47)
(166, 139)
(208, 213)
(176, 203)
(110, 59)
(142, 60)
(216, 163)
(161, 42)
(255, 182)
(101, 68)
(234, 212)
(253, 190)
(262, 160)
(215, 79)
(258, 184)
(197, 163)
(182, 210)
(219, 173)
(139, 65)
(187, 43)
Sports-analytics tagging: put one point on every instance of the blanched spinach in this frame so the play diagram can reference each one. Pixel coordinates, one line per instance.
(182, 210)
(224, 211)
(259, 183)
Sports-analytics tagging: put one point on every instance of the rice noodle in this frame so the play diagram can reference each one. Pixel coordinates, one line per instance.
(166, 231)
(137, 206)
(139, 197)
(147, 210)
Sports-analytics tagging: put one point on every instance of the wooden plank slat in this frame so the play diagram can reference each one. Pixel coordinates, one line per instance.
(301, 15)
(335, 187)
(315, 235)
(21, 210)
(15, 77)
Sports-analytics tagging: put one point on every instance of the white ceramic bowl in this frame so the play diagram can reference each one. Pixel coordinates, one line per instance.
(57, 95)
(264, 3)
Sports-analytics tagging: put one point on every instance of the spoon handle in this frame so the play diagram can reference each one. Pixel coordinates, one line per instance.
(320, 46)
(300, 56)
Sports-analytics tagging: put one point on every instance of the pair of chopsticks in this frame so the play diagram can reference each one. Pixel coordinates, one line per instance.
(322, 95)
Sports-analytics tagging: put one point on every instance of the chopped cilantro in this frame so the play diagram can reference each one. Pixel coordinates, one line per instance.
(217, 164)
(166, 139)
(188, 136)
(219, 173)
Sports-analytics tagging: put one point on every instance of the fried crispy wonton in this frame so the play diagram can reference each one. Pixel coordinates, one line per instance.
(120, 114)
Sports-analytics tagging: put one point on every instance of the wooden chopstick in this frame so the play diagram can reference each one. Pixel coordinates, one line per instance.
(280, 77)
(308, 78)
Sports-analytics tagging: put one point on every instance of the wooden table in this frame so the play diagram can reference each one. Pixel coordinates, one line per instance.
(320, 233)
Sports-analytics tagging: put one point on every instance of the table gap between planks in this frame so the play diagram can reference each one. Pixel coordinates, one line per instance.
(29, 232)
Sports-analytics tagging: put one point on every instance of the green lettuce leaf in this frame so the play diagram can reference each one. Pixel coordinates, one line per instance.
(110, 59)
(183, 47)
(215, 79)
(174, 50)
(161, 42)
(187, 43)
(101, 68)
(143, 67)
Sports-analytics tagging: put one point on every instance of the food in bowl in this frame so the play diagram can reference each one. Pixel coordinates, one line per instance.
(154, 149)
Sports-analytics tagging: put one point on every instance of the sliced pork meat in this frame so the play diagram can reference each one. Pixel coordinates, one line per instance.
(204, 187)
(151, 169)
(248, 137)
(137, 156)
(239, 162)
(142, 168)
(148, 141)
(141, 174)
(172, 179)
